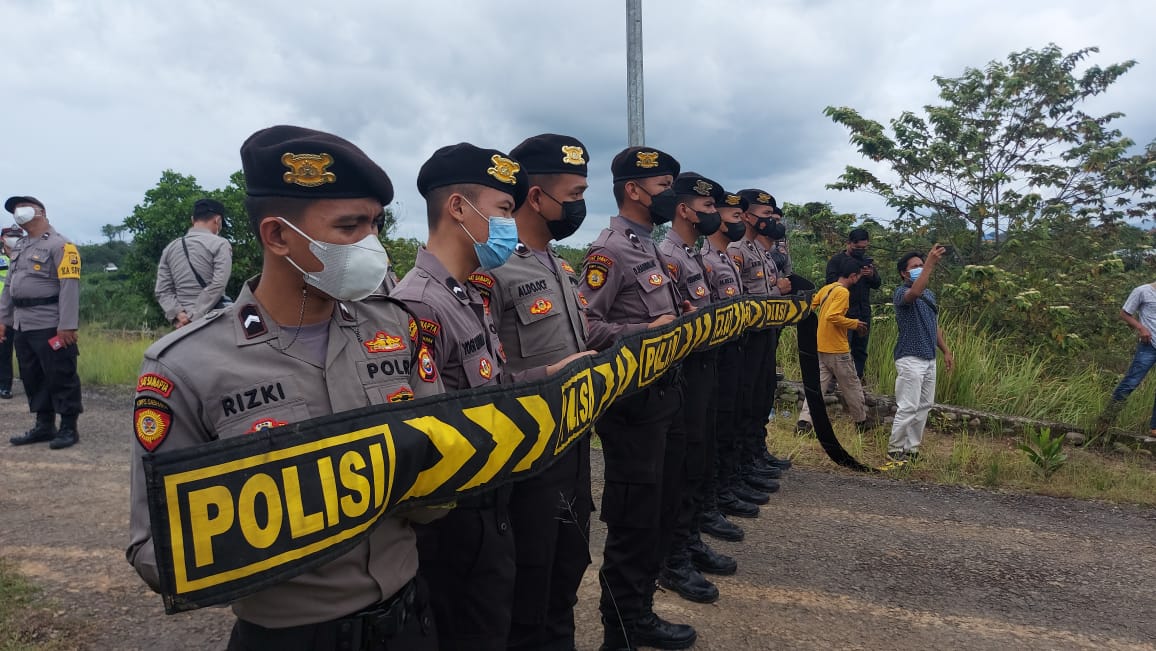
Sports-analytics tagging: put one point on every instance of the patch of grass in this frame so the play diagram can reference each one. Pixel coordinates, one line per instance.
(112, 357)
(22, 626)
(982, 460)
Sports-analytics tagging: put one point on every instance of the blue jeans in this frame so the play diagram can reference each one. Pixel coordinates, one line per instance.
(1142, 362)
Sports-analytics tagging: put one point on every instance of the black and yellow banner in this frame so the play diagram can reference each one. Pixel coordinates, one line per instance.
(235, 516)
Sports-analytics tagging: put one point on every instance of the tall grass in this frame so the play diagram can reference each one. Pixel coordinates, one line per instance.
(994, 374)
(112, 357)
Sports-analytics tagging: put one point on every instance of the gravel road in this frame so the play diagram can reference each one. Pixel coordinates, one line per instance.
(835, 561)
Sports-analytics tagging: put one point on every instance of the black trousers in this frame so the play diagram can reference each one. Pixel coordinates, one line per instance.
(467, 558)
(643, 445)
(726, 421)
(49, 376)
(859, 347)
(700, 372)
(550, 515)
(753, 394)
(6, 359)
(402, 623)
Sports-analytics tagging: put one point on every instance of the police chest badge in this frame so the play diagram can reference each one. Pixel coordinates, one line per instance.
(265, 423)
(307, 170)
(572, 155)
(383, 342)
(655, 280)
(566, 267)
(486, 368)
(646, 159)
(673, 269)
(738, 260)
(504, 169)
(730, 291)
(401, 395)
(700, 291)
(541, 306)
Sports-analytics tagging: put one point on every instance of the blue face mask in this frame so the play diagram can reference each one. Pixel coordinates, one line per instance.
(500, 242)
(915, 273)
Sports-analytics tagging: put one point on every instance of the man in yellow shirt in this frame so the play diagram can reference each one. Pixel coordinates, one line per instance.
(831, 303)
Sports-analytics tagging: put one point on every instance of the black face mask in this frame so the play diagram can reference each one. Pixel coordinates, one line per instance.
(708, 223)
(662, 206)
(573, 214)
(735, 230)
(776, 231)
(857, 254)
(763, 226)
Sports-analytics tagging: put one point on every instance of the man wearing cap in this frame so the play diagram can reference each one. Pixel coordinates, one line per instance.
(696, 214)
(467, 557)
(541, 320)
(11, 236)
(724, 279)
(195, 267)
(306, 338)
(40, 310)
(628, 290)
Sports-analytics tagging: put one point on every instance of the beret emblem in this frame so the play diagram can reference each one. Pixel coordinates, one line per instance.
(734, 199)
(504, 169)
(308, 170)
(703, 188)
(764, 197)
(646, 159)
(572, 155)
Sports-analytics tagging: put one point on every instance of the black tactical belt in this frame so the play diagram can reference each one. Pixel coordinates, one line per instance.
(33, 302)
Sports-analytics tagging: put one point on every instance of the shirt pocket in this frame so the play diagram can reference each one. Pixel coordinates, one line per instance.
(655, 294)
(386, 378)
(480, 368)
(698, 290)
(249, 409)
(539, 326)
(38, 263)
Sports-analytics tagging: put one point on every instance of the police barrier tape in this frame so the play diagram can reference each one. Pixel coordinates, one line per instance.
(232, 517)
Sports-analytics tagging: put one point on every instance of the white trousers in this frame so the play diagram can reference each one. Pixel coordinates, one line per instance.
(914, 396)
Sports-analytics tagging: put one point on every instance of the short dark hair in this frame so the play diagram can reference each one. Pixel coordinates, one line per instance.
(901, 266)
(619, 191)
(849, 267)
(258, 208)
(436, 198)
(858, 235)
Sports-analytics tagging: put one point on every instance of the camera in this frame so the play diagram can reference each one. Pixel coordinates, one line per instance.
(868, 262)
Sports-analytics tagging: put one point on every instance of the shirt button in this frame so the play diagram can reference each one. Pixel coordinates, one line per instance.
(503, 526)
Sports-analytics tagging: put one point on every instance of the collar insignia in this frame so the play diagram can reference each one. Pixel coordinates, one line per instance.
(646, 159)
(572, 155)
(251, 321)
(504, 169)
(308, 170)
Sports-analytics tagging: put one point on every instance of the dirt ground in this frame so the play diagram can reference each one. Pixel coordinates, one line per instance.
(835, 561)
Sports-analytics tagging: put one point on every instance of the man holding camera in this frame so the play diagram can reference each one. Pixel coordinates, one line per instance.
(860, 302)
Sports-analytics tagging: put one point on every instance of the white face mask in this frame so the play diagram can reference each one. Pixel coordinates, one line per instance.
(11, 242)
(24, 214)
(349, 272)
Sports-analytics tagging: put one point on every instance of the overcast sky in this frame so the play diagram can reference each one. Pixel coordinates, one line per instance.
(102, 95)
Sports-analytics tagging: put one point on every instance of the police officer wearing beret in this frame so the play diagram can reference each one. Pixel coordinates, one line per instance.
(541, 320)
(695, 215)
(40, 310)
(724, 278)
(628, 290)
(194, 268)
(467, 557)
(306, 338)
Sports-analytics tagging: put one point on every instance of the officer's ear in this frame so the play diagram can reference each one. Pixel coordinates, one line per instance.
(273, 235)
(534, 198)
(456, 207)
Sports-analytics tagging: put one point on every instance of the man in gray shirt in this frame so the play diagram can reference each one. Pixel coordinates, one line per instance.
(1139, 312)
(195, 267)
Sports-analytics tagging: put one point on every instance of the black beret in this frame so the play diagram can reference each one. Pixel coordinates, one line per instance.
(756, 197)
(734, 200)
(697, 185)
(642, 163)
(552, 154)
(464, 163)
(10, 204)
(206, 207)
(287, 161)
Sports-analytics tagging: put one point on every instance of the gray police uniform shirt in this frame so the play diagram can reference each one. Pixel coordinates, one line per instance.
(42, 268)
(624, 282)
(757, 272)
(224, 376)
(177, 288)
(534, 301)
(686, 269)
(721, 271)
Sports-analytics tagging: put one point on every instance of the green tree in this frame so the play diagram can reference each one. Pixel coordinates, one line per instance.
(1008, 147)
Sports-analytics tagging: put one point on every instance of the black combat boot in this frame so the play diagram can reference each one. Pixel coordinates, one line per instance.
(730, 504)
(44, 430)
(709, 561)
(715, 524)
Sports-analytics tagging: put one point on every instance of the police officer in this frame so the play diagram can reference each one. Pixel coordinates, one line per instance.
(772, 234)
(723, 276)
(11, 236)
(760, 279)
(628, 291)
(467, 557)
(541, 320)
(305, 338)
(40, 310)
(194, 268)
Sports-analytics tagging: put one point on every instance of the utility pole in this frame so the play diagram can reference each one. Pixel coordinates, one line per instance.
(635, 122)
